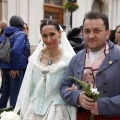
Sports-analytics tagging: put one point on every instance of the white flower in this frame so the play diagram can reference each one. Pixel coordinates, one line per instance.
(94, 90)
(9, 116)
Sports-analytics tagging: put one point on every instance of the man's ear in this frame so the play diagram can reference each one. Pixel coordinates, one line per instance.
(108, 32)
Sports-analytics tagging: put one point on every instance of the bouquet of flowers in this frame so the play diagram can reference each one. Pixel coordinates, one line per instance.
(89, 92)
(8, 114)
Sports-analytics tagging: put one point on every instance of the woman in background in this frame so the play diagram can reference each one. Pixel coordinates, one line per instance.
(25, 29)
(117, 35)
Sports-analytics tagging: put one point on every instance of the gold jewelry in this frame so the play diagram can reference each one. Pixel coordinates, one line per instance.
(50, 61)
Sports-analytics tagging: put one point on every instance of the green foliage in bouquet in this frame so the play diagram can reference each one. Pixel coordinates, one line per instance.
(87, 90)
(71, 6)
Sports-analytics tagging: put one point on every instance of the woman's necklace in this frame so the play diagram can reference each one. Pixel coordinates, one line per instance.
(50, 61)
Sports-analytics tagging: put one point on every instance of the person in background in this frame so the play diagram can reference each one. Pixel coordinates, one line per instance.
(117, 35)
(13, 71)
(112, 36)
(74, 37)
(3, 26)
(98, 65)
(26, 30)
(81, 32)
(39, 97)
(63, 27)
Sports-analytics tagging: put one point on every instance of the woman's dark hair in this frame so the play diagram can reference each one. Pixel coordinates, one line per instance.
(95, 15)
(49, 22)
(117, 28)
(112, 36)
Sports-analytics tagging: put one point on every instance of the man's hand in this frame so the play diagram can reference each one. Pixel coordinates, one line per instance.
(94, 110)
(13, 73)
(85, 102)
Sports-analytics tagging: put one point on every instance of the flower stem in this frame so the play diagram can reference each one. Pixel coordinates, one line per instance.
(92, 117)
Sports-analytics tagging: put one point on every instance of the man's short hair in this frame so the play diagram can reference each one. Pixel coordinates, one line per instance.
(95, 15)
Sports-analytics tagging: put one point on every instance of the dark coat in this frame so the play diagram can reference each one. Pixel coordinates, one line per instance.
(77, 43)
(18, 48)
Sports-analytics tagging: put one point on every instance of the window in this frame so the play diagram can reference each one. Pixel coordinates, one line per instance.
(55, 2)
(53, 10)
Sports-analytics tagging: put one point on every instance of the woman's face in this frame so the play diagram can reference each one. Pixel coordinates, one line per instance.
(117, 34)
(25, 29)
(50, 36)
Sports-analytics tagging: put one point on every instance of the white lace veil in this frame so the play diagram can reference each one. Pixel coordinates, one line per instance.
(23, 97)
(64, 44)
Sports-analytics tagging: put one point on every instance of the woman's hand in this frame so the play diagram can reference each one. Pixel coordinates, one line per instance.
(71, 88)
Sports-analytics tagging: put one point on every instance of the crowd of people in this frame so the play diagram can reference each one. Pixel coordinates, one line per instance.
(42, 89)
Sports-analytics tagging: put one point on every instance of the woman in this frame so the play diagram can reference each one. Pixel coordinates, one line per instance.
(117, 35)
(39, 97)
(25, 30)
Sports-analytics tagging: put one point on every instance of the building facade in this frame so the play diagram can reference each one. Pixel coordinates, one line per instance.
(33, 11)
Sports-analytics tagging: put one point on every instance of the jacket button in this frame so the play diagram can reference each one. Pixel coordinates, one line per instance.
(105, 91)
(104, 73)
(105, 83)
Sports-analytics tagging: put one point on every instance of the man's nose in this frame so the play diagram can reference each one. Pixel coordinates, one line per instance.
(91, 35)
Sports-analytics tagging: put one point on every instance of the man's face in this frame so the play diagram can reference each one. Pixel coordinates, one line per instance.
(95, 34)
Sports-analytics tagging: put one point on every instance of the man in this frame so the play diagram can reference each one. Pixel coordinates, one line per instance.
(3, 25)
(13, 71)
(97, 65)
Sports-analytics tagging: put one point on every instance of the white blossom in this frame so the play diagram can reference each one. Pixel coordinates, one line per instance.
(94, 90)
(9, 116)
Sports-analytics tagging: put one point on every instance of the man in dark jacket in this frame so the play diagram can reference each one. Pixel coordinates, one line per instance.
(13, 71)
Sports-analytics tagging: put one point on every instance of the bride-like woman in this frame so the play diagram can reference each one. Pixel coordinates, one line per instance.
(39, 97)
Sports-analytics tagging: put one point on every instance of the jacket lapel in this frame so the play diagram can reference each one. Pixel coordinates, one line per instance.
(80, 63)
(110, 58)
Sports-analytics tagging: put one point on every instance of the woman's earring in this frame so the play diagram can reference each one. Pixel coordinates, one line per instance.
(60, 41)
(115, 40)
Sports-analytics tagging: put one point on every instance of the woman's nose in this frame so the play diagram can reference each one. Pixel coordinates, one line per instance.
(49, 39)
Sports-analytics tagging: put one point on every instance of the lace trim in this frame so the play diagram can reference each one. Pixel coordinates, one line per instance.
(43, 65)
